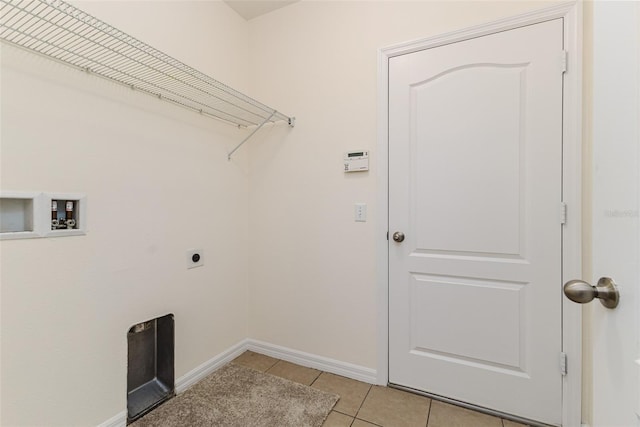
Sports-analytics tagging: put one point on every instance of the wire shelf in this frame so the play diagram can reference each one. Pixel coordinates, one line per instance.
(65, 33)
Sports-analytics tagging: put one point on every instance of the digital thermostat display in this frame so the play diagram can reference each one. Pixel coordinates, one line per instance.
(356, 161)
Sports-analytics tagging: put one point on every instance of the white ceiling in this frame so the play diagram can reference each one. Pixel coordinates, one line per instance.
(250, 9)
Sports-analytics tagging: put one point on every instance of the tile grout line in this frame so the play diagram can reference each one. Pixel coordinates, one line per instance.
(348, 415)
(368, 422)
(316, 378)
(362, 403)
(429, 412)
(272, 366)
(353, 420)
(312, 382)
(305, 367)
(355, 417)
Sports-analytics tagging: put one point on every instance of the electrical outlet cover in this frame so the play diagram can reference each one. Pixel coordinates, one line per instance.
(195, 258)
(361, 212)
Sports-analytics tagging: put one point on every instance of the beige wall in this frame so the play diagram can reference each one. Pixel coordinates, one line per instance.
(312, 268)
(157, 182)
(276, 221)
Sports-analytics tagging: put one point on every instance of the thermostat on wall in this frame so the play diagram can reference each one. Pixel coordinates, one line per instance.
(356, 161)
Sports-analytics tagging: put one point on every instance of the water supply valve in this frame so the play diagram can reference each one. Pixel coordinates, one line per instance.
(66, 219)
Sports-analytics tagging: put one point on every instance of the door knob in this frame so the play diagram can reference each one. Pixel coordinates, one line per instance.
(398, 236)
(582, 292)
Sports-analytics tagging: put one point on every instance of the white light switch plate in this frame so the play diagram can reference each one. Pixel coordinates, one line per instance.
(361, 212)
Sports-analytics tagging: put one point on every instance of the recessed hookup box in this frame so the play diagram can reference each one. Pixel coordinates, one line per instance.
(150, 367)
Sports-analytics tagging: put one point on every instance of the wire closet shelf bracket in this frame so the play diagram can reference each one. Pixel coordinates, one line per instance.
(65, 33)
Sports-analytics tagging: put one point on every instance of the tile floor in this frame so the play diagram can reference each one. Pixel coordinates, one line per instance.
(364, 405)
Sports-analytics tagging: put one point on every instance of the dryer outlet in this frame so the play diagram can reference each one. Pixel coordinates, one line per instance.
(195, 258)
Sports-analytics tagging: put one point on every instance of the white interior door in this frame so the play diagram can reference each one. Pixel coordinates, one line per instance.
(475, 185)
(616, 134)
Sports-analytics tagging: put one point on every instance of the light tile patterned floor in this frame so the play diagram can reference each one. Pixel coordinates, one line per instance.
(364, 405)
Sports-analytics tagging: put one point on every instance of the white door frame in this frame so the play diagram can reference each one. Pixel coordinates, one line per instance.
(571, 13)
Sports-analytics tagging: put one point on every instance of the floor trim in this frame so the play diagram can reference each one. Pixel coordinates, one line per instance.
(190, 378)
(309, 360)
(211, 365)
(119, 420)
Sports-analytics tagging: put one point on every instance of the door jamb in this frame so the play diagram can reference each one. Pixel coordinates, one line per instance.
(571, 13)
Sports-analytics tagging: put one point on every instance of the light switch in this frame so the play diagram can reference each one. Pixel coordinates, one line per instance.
(361, 212)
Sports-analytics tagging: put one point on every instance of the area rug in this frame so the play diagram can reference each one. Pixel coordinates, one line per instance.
(236, 396)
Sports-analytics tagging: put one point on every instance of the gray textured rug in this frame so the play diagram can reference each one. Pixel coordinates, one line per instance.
(236, 396)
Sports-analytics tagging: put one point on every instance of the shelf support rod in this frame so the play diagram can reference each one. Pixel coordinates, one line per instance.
(251, 134)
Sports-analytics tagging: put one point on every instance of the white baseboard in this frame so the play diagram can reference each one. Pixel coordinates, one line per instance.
(119, 420)
(190, 378)
(211, 365)
(309, 360)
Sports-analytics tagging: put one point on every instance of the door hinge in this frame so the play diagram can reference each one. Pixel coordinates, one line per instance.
(563, 213)
(563, 363)
(563, 61)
